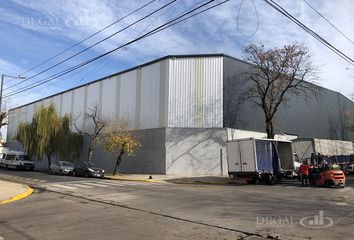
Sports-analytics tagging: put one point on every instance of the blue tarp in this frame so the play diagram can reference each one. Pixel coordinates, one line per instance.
(267, 156)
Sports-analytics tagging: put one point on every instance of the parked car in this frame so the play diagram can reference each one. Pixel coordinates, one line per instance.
(61, 168)
(88, 170)
(17, 160)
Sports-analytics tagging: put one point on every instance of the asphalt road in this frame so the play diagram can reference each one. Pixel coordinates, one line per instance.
(79, 208)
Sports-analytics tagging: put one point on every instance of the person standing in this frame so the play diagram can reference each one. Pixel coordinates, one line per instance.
(304, 172)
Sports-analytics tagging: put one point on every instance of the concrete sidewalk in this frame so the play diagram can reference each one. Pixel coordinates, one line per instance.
(215, 180)
(10, 191)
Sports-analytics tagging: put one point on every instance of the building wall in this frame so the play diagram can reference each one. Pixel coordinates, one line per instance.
(195, 92)
(322, 115)
(174, 92)
(196, 151)
(138, 96)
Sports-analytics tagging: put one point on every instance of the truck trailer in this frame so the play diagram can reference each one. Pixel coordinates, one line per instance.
(258, 160)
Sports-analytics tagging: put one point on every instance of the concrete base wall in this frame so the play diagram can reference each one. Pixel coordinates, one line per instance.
(171, 151)
(193, 151)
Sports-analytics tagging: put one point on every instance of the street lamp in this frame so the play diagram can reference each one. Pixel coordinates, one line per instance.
(2, 83)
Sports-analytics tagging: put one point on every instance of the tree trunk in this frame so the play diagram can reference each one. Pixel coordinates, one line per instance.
(119, 160)
(49, 158)
(90, 150)
(270, 129)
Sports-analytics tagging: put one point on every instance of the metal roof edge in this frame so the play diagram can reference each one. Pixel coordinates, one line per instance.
(127, 70)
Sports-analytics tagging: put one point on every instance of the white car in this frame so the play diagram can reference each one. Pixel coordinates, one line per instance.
(17, 160)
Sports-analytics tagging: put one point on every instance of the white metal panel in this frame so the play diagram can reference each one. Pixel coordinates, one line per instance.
(29, 115)
(93, 95)
(46, 102)
(213, 92)
(128, 97)
(150, 89)
(78, 106)
(108, 98)
(195, 92)
(67, 99)
(56, 102)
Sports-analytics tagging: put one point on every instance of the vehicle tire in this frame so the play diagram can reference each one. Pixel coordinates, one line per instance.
(327, 184)
(74, 173)
(60, 172)
(251, 181)
(50, 172)
(7, 167)
(86, 174)
(270, 179)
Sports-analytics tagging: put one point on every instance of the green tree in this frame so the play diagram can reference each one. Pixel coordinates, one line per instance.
(120, 141)
(48, 134)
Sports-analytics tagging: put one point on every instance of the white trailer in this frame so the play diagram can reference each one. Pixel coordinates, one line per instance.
(260, 159)
(304, 147)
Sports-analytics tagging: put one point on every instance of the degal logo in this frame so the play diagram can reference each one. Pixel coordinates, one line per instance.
(317, 221)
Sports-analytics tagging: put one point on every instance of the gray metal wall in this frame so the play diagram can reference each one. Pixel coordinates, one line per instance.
(323, 116)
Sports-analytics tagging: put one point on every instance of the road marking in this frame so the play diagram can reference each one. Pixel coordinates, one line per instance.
(63, 186)
(95, 184)
(80, 186)
(112, 183)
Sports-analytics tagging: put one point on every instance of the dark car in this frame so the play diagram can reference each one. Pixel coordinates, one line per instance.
(88, 170)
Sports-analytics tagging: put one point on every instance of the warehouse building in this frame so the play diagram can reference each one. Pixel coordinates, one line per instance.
(184, 109)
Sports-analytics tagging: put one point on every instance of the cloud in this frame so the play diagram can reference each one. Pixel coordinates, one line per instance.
(210, 32)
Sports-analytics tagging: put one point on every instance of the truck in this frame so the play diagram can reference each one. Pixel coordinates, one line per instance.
(260, 160)
(16, 160)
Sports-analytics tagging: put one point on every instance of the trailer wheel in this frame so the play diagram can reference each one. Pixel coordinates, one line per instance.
(270, 180)
(251, 181)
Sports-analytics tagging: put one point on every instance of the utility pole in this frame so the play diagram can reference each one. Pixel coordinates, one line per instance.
(2, 84)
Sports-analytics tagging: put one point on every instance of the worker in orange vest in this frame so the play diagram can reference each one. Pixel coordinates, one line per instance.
(304, 172)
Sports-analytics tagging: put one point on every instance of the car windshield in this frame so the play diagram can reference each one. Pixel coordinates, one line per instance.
(10, 157)
(24, 157)
(67, 164)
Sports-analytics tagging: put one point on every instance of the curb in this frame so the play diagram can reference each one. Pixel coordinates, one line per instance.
(23, 195)
(135, 180)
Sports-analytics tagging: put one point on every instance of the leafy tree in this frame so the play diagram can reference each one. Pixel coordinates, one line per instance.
(120, 141)
(274, 74)
(93, 133)
(48, 134)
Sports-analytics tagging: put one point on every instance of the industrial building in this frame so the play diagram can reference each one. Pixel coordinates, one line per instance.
(184, 108)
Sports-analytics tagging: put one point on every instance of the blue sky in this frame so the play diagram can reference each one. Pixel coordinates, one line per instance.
(32, 31)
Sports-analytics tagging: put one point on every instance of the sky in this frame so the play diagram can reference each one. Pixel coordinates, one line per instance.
(33, 31)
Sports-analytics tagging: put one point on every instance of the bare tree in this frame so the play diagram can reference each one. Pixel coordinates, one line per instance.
(92, 132)
(275, 73)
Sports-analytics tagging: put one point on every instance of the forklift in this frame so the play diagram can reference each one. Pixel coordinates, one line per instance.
(325, 174)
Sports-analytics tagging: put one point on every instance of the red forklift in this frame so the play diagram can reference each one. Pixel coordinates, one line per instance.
(325, 174)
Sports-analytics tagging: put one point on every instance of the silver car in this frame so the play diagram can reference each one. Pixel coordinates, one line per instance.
(61, 168)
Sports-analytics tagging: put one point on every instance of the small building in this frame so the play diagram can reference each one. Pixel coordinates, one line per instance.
(184, 108)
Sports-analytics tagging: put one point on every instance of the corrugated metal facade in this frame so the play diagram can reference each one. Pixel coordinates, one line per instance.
(173, 92)
(196, 92)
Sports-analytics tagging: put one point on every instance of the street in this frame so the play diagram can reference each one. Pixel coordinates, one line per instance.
(65, 207)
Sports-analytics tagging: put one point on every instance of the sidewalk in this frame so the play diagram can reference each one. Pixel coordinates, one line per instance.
(10, 191)
(214, 180)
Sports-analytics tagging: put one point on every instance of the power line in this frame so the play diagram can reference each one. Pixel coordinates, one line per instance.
(90, 36)
(95, 44)
(322, 16)
(162, 27)
(309, 31)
